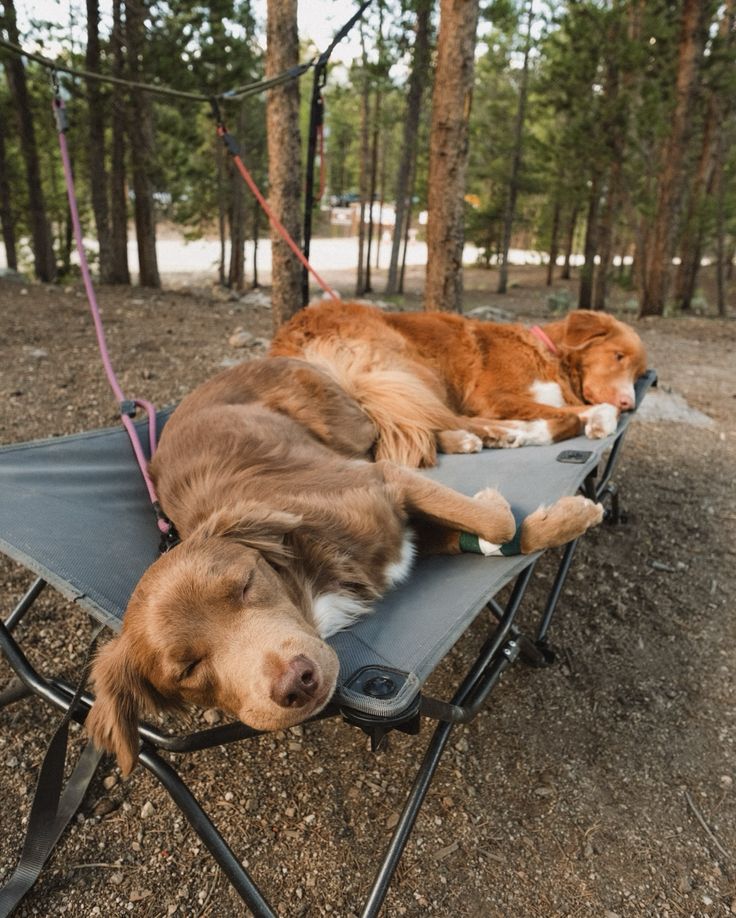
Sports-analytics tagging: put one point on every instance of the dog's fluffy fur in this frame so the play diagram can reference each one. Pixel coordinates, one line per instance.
(288, 534)
(436, 380)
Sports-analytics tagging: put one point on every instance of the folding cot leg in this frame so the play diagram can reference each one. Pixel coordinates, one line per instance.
(473, 691)
(409, 815)
(15, 690)
(554, 594)
(25, 603)
(205, 829)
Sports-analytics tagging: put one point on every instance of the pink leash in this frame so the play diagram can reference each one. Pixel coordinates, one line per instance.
(538, 332)
(127, 406)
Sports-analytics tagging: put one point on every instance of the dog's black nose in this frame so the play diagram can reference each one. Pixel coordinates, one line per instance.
(297, 684)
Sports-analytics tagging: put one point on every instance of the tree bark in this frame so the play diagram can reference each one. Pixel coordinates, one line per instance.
(719, 190)
(364, 168)
(448, 154)
(236, 274)
(41, 242)
(119, 270)
(516, 160)
(718, 107)
(6, 207)
(553, 241)
(284, 157)
(373, 184)
(572, 224)
(590, 247)
(256, 235)
(96, 152)
(661, 234)
(605, 235)
(417, 81)
(140, 132)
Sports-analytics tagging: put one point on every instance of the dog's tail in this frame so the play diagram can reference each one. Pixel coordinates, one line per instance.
(400, 398)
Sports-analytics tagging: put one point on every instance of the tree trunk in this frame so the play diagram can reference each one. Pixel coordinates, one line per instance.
(256, 235)
(553, 242)
(119, 270)
(363, 181)
(43, 249)
(417, 81)
(140, 132)
(513, 188)
(6, 208)
(605, 235)
(236, 274)
(661, 234)
(718, 107)
(719, 191)
(222, 166)
(587, 271)
(373, 183)
(407, 221)
(284, 157)
(448, 154)
(96, 153)
(565, 273)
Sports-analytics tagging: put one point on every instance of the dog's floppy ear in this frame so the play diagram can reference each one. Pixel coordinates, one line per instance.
(582, 326)
(122, 696)
(255, 526)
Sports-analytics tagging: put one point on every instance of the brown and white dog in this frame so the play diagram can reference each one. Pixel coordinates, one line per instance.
(288, 535)
(435, 380)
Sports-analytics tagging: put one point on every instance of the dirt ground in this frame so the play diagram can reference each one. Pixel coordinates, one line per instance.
(584, 789)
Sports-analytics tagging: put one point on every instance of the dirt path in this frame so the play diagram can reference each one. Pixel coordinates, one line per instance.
(575, 793)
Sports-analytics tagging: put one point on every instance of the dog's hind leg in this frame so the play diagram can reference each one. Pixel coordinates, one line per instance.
(491, 519)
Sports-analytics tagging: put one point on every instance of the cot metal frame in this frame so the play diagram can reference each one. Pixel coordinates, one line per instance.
(504, 644)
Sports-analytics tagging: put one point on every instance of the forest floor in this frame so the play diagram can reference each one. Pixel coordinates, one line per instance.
(578, 792)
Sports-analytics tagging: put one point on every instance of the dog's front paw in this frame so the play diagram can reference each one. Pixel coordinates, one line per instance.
(565, 520)
(504, 524)
(600, 421)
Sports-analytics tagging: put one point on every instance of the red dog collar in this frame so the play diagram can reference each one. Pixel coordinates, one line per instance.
(545, 339)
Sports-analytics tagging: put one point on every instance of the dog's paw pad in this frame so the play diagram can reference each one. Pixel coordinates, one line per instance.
(601, 421)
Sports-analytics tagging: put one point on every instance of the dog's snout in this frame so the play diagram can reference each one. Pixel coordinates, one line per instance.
(297, 684)
(625, 401)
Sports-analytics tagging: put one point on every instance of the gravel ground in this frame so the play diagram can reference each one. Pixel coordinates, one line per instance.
(579, 791)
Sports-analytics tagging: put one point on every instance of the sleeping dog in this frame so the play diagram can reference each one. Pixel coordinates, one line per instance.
(288, 534)
(436, 380)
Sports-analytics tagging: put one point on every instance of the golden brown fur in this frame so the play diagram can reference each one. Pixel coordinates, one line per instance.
(287, 531)
(423, 376)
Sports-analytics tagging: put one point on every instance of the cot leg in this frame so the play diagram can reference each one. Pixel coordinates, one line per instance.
(25, 604)
(554, 594)
(15, 690)
(205, 829)
(408, 817)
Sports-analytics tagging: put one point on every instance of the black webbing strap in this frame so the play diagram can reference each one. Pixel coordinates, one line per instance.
(53, 804)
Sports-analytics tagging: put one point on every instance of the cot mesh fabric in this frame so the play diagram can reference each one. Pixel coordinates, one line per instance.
(74, 510)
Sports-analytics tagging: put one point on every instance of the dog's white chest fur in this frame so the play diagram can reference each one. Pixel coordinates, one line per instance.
(335, 611)
(397, 572)
(547, 393)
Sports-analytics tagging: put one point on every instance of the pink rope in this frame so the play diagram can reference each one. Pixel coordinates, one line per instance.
(545, 339)
(275, 222)
(99, 329)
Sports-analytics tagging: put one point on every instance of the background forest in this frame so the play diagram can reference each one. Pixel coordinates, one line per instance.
(602, 129)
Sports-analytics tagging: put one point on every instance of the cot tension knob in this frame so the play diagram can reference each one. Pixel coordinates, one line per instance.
(379, 687)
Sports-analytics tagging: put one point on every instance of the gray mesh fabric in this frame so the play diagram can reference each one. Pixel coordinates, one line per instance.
(75, 511)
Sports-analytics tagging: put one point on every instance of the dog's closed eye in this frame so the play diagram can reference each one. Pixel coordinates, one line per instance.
(246, 585)
(189, 670)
